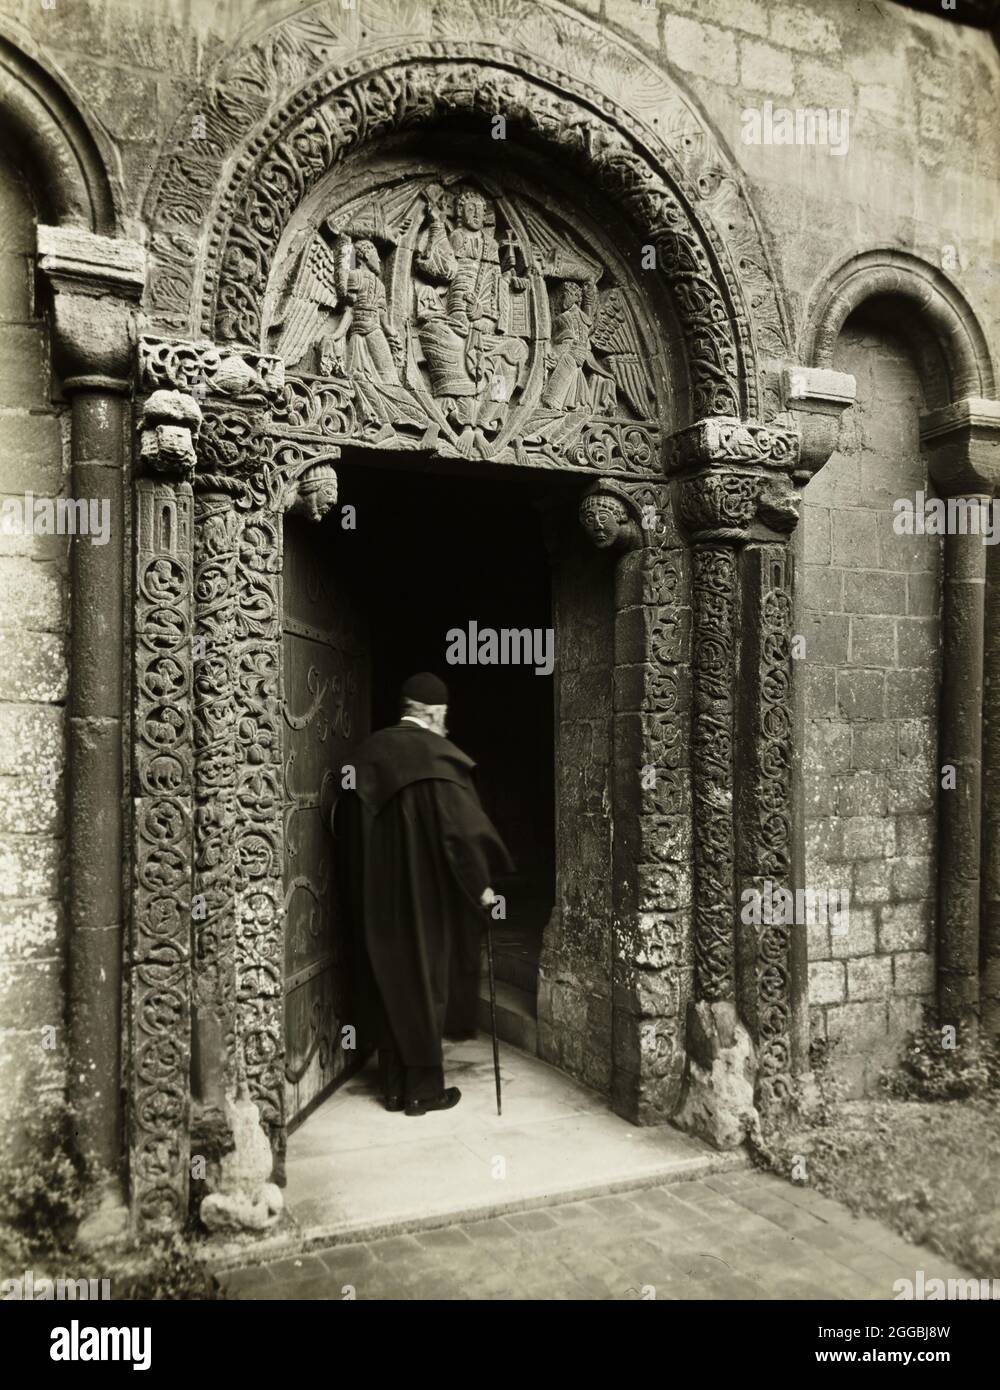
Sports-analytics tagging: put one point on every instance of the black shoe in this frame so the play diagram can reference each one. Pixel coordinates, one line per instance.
(394, 1102)
(447, 1100)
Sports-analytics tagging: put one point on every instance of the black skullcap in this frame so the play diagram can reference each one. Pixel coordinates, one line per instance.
(426, 689)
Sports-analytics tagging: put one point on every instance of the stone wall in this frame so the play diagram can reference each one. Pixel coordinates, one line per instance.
(33, 677)
(920, 173)
(871, 670)
(574, 986)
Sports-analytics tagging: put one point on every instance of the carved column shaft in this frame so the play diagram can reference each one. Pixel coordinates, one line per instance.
(734, 499)
(237, 831)
(714, 618)
(764, 819)
(162, 800)
(651, 965)
(218, 525)
(260, 823)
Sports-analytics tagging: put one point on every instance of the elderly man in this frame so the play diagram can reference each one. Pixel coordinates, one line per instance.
(421, 854)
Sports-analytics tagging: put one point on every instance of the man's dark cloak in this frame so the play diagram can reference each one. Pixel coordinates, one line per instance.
(418, 850)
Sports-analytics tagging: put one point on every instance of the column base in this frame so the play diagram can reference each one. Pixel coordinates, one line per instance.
(108, 1223)
(718, 1099)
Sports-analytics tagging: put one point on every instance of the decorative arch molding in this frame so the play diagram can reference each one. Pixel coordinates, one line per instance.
(948, 334)
(260, 151)
(58, 152)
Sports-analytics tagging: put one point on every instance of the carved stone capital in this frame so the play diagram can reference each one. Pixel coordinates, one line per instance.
(208, 372)
(610, 517)
(95, 283)
(815, 398)
(721, 441)
(732, 474)
(962, 444)
(169, 424)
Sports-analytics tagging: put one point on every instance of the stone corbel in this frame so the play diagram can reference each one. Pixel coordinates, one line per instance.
(169, 426)
(96, 283)
(610, 517)
(815, 398)
(313, 492)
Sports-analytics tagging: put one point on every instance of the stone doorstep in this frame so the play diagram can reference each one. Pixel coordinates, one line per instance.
(290, 1243)
(515, 1016)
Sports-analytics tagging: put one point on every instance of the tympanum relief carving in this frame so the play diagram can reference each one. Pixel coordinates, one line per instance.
(451, 315)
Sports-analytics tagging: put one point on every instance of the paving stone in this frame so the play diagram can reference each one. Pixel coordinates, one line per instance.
(337, 1257)
(531, 1221)
(301, 1267)
(235, 1281)
(447, 1238)
(782, 1243)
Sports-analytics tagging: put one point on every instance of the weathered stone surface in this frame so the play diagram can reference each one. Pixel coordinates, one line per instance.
(718, 1101)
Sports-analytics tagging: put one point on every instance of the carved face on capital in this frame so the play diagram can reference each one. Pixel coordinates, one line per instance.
(603, 517)
(317, 495)
(472, 211)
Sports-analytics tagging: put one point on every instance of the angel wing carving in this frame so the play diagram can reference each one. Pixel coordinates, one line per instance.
(557, 257)
(614, 337)
(314, 293)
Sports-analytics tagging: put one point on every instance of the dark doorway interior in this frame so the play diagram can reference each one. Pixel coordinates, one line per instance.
(429, 554)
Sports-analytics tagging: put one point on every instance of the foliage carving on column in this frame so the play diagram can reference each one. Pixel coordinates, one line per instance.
(736, 502)
(162, 784)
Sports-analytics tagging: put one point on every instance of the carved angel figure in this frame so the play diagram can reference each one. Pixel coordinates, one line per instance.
(337, 309)
(586, 322)
(337, 314)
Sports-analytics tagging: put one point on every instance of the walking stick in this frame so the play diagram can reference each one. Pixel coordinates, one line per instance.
(493, 1013)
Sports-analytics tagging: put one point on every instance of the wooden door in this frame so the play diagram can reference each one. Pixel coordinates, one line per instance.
(326, 715)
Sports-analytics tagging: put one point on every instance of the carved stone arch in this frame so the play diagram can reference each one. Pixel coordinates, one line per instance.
(56, 147)
(286, 117)
(953, 356)
(261, 151)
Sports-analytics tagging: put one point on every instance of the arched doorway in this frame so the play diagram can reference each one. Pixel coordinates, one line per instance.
(548, 374)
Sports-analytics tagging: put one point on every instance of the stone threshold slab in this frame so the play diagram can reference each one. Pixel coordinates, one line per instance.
(287, 1242)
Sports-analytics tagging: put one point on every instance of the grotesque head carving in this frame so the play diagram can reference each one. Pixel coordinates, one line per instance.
(316, 492)
(605, 518)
